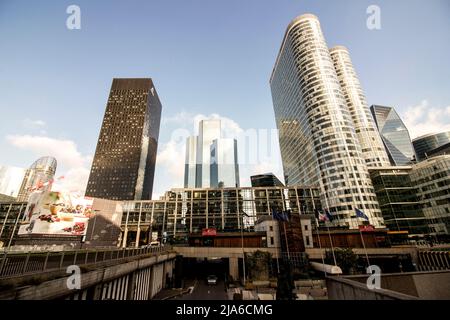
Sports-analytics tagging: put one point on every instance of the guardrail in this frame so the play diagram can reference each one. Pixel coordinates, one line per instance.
(14, 264)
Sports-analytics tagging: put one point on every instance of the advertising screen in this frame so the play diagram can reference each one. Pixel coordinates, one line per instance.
(56, 213)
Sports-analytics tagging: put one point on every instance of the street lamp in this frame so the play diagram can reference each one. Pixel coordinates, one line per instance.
(242, 245)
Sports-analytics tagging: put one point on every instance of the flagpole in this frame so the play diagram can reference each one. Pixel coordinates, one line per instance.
(279, 242)
(332, 247)
(363, 243)
(320, 247)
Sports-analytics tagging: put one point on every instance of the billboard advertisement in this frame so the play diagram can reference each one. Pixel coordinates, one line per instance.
(56, 213)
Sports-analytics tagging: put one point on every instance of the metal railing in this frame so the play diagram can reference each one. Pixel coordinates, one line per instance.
(13, 264)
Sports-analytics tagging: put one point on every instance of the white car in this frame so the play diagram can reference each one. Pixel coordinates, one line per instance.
(212, 279)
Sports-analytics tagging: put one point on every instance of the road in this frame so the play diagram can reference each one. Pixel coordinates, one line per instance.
(203, 291)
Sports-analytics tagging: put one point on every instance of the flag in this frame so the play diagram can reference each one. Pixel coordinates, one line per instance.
(328, 215)
(280, 215)
(320, 216)
(361, 214)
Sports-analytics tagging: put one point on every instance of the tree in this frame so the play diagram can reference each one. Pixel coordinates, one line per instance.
(346, 259)
(258, 264)
(285, 285)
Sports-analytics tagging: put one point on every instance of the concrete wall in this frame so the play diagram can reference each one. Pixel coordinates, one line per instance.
(415, 285)
(137, 276)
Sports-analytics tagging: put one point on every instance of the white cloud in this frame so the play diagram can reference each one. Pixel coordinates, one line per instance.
(424, 119)
(71, 163)
(34, 124)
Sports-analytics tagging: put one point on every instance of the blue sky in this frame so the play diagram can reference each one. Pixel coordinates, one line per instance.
(205, 57)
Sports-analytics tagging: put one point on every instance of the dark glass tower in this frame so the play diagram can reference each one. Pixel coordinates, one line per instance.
(124, 161)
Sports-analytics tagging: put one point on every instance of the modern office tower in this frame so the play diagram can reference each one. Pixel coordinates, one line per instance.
(394, 134)
(124, 161)
(426, 144)
(398, 200)
(190, 165)
(366, 130)
(208, 131)
(266, 180)
(41, 171)
(432, 180)
(11, 180)
(211, 161)
(224, 170)
(318, 142)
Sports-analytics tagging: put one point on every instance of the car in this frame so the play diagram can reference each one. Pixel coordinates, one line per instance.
(155, 244)
(212, 279)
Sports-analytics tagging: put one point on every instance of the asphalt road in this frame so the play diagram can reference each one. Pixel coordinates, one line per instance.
(203, 291)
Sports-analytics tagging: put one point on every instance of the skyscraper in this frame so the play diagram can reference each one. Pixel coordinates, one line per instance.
(224, 163)
(211, 161)
(41, 171)
(318, 141)
(394, 134)
(208, 131)
(424, 144)
(190, 167)
(124, 161)
(11, 179)
(366, 130)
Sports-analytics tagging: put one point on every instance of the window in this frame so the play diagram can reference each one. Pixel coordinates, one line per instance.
(271, 228)
(271, 241)
(307, 241)
(306, 228)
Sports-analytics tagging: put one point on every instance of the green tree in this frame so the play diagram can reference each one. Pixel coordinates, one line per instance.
(346, 259)
(257, 265)
(285, 285)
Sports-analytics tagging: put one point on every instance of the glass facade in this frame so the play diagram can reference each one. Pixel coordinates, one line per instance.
(41, 171)
(266, 180)
(186, 211)
(124, 161)
(428, 143)
(398, 200)
(394, 134)
(432, 180)
(318, 142)
(224, 163)
(371, 145)
(211, 161)
(11, 179)
(11, 215)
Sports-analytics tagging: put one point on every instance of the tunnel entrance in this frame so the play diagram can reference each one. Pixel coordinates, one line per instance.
(200, 268)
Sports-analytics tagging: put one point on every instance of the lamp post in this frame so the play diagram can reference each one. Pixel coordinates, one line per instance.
(242, 245)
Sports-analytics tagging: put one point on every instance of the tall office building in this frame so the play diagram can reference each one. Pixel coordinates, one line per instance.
(190, 166)
(211, 161)
(425, 145)
(41, 171)
(366, 130)
(224, 163)
(394, 134)
(11, 179)
(208, 131)
(318, 141)
(432, 180)
(124, 163)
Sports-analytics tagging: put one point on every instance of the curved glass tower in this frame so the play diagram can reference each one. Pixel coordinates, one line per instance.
(423, 145)
(41, 171)
(366, 131)
(318, 141)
